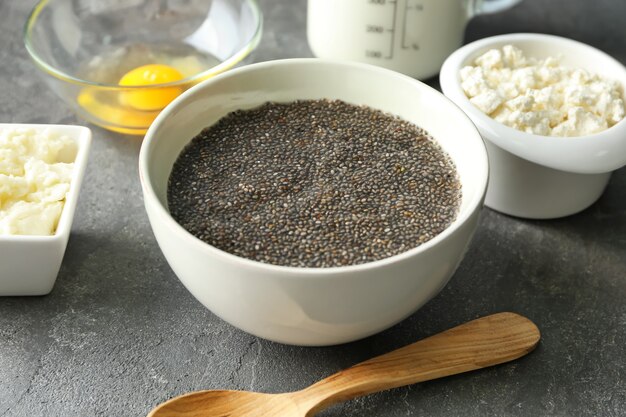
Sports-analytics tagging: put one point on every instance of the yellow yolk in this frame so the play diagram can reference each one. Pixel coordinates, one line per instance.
(146, 75)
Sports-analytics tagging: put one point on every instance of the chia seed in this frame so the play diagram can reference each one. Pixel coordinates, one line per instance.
(314, 183)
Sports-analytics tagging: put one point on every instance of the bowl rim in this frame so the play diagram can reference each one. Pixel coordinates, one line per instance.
(82, 136)
(150, 197)
(228, 63)
(598, 153)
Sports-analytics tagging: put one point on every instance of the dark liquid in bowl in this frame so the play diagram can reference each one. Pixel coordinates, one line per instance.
(314, 183)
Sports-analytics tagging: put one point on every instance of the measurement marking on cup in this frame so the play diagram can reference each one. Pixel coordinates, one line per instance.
(374, 29)
(393, 27)
(410, 8)
(377, 29)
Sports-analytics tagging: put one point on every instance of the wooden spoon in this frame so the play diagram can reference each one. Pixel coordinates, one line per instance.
(477, 344)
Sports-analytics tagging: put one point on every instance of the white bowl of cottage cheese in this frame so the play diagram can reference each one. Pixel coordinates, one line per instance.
(551, 111)
(41, 169)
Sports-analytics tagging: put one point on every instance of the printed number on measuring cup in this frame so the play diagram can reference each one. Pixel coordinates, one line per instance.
(374, 29)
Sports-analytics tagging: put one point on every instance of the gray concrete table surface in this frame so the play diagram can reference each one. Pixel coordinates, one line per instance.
(119, 333)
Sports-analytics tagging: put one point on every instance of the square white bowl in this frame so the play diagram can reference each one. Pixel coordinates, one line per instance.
(29, 265)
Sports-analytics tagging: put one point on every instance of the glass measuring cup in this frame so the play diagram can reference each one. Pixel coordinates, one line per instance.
(410, 36)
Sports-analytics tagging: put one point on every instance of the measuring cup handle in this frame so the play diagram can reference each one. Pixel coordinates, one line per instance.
(477, 7)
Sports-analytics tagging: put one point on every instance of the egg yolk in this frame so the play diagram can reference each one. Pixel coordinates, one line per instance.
(154, 98)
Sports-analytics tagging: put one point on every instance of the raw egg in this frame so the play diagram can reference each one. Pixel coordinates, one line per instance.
(146, 75)
(105, 107)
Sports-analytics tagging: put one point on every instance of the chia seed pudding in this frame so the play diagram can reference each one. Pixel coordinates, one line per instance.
(313, 183)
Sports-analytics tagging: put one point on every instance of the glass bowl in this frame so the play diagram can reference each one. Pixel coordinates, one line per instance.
(86, 47)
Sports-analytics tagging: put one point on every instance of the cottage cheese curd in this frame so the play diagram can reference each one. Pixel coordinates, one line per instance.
(35, 174)
(541, 97)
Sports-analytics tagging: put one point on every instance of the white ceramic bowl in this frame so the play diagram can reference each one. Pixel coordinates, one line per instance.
(312, 306)
(29, 264)
(536, 176)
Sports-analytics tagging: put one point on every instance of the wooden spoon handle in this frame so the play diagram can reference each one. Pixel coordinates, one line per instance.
(480, 343)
